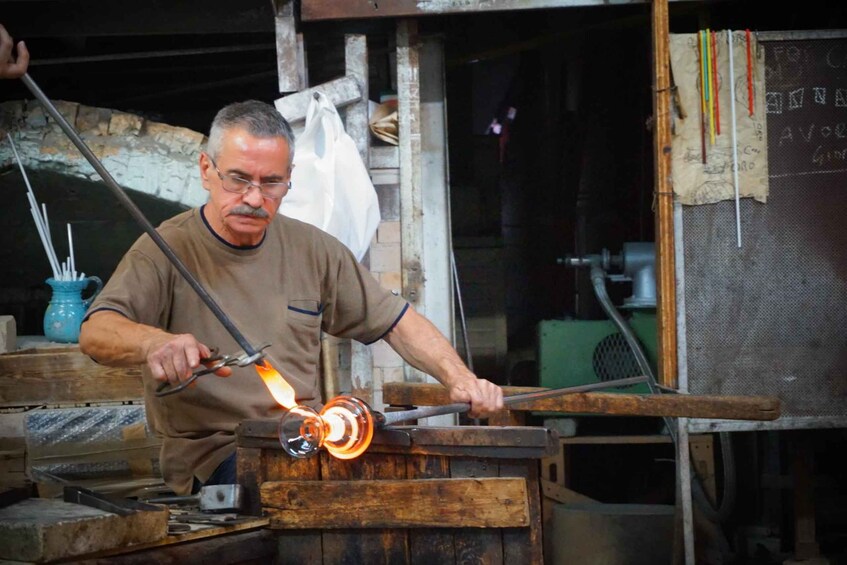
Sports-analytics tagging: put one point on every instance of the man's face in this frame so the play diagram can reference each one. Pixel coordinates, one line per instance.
(241, 219)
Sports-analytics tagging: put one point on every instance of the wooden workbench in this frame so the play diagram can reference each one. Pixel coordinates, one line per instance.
(418, 495)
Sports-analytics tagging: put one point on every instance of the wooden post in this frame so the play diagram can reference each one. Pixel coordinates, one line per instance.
(411, 199)
(287, 50)
(356, 67)
(663, 199)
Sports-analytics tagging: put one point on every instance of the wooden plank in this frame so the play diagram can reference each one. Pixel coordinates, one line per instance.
(39, 529)
(411, 197)
(137, 551)
(404, 436)
(462, 440)
(341, 92)
(256, 466)
(312, 10)
(615, 440)
(356, 125)
(295, 546)
(239, 547)
(410, 503)
(674, 405)
(663, 199)
(302, 62)
(356, 67)
(64, 377)
(373, 545)
(477, 546)
(524, 545)
(563, 494)
(287, 49)
(486, 452)
(428, 546)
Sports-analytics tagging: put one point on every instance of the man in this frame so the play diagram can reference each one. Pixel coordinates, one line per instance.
(280, 280)
(9, 66)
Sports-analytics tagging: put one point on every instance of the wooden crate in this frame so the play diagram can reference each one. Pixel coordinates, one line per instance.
(418, 495)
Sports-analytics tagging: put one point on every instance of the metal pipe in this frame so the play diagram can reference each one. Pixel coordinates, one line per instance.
(465, 339)
(152, 54)
(460, 407)
(139, 217)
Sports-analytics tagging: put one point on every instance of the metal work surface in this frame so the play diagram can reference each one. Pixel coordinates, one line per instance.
(769, 318)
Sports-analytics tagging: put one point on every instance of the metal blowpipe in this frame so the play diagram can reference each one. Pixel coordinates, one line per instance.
(251, 352)
(346, 425)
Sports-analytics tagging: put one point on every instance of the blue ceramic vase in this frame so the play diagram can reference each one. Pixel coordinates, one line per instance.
(67, 308)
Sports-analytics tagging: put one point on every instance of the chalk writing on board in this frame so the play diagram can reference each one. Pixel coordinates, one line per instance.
(806, 104)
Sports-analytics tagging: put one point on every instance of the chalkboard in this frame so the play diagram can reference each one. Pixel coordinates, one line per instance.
(771, 317)
(806, 105)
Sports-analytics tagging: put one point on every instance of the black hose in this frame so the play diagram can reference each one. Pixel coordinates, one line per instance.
(598, 281)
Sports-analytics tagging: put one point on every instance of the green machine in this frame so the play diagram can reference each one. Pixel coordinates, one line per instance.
(576, 352)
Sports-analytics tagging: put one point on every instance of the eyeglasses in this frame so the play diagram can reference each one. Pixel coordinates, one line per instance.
(234, 183)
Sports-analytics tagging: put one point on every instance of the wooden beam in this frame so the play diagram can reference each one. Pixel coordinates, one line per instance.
(612, 404)
(64, 377)
(287, 48)
(418, 503)
(563, 494)
(663, 198)
(341, 92)
(333, 9)
(411, 197)
(356, 124)
(356, 67)
(239, 543)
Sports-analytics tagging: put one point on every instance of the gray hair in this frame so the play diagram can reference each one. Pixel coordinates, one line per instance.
(257, 118)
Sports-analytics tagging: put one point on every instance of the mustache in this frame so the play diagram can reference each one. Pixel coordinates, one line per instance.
(245, 210)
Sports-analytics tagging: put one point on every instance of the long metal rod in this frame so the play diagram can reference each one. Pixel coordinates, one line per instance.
(152, 54)
(465, 338)
(139, 216)
(460, 407)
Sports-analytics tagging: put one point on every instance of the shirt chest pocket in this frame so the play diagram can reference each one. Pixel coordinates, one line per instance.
(305, 313)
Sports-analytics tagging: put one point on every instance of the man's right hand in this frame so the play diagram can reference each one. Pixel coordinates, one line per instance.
(9, 66)
(173, 358)
(114, 340)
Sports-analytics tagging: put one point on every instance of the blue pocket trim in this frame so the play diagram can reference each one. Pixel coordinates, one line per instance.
(309, 312)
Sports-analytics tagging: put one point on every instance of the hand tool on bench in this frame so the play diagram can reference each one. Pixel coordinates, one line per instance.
(211, 498)
(88, 497)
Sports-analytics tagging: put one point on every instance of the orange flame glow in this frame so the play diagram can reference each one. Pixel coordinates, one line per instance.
(282, 392)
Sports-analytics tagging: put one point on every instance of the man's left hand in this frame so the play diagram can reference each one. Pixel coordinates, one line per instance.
(484, 396)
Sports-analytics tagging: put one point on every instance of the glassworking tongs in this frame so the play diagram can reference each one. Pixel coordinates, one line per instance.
(218, 362)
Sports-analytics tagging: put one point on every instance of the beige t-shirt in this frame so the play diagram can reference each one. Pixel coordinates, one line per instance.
(284, 291)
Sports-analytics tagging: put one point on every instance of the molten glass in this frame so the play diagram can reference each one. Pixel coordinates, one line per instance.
(345, 427)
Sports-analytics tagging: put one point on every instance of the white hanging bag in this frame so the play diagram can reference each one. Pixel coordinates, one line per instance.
(331, 187)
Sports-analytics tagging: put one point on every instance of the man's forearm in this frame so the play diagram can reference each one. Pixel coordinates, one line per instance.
(421, 345)
(112, 339)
